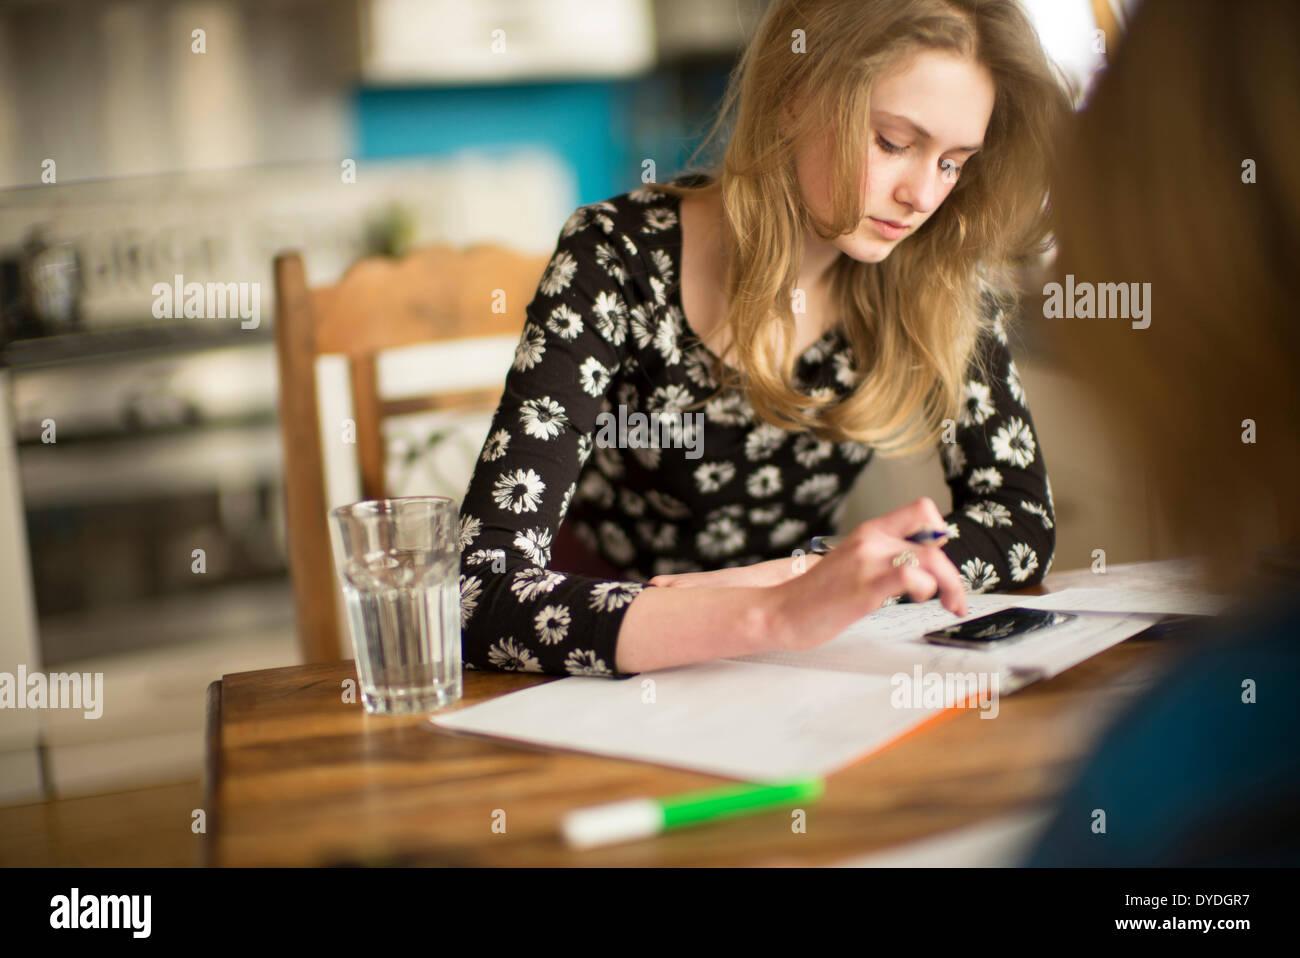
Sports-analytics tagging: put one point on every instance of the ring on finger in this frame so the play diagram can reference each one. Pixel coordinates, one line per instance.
(906, 558)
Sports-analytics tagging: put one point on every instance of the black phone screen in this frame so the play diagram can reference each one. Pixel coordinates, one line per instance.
(997, 627)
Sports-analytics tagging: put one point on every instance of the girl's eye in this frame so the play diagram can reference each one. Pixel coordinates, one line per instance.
(887, 146)
(950, 169)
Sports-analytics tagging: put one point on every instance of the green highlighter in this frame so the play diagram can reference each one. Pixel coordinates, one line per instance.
(643, 817)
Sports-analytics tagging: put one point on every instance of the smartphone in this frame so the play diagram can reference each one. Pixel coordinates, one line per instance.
(997, 628)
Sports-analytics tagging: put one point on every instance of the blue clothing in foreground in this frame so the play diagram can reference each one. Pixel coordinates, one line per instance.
(1193, 773)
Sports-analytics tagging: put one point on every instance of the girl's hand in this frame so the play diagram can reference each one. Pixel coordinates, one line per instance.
(769, 573)
(855, 578)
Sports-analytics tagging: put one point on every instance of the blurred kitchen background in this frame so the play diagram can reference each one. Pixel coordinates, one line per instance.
(142, 139)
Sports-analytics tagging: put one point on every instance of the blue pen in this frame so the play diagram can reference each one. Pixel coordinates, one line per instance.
(823, 544)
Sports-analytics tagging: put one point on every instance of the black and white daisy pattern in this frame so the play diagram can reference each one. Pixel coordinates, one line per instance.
(552, 624)
(787, 532)
(496, 446)
(564, 322)
(641, 323)
(559, 273)
(1014, 443)
(470, 589)
(729, 409)
(764, 440)
(819, 488)
(535, 545)
(593, 377)
(615, 543)
(855, 452)
(1037, 509)
(1022, 560)
(518, 491)
(659, 218)
(764, 482)
(610, 262)
(1013, 383)
(509, 656)
(845, 374)
(989, 513)
(712, 476)
(530, 583)
(469, 529)
(665, 337)
(664, 264)
(610, 314)
(606, 333)
(809, 450)
(723, 536)
(607, 596)
(585, 662)
(531, 347)
(542, 418)
(954, 459)
(978, 575)
(976, 404)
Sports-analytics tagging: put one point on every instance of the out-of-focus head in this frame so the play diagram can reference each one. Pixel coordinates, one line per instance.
(1180, 173)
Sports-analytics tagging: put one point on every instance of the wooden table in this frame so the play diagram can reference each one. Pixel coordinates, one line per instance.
(297, 777)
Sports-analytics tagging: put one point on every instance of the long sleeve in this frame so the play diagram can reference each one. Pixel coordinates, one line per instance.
(516, 614)
(1002, 523)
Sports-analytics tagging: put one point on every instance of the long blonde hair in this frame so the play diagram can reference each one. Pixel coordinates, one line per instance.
(912, 320)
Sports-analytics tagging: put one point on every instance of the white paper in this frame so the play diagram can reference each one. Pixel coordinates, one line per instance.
(778, 715)
(734, 719)
(1168, 602)
(892, 640)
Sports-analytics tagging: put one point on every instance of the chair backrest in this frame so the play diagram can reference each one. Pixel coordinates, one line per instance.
(433, 294)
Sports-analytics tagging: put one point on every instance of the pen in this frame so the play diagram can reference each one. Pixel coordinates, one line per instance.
(644, 817)
(823, 544)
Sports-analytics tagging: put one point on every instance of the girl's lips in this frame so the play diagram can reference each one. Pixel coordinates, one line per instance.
(887, 229)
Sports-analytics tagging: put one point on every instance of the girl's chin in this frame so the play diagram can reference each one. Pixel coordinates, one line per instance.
(866, 248)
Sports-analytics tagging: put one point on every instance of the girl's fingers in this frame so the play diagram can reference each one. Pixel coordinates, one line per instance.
(951, 589)
(916, 515)
(918, 583)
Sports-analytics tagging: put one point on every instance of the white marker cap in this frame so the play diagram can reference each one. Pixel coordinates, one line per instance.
(615, 822)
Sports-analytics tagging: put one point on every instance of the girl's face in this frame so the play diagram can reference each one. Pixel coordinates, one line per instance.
(927, 119)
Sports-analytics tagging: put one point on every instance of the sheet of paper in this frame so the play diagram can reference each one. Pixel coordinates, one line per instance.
(892, 640)
(752, 720)
(1168, 602)
(734, 719)
(1063, 646)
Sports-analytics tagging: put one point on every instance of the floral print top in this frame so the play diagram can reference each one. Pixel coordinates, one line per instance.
(604, 339)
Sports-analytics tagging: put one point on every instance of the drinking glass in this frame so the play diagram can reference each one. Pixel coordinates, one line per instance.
(400, 571)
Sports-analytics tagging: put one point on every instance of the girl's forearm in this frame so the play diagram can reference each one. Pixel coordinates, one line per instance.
(665, 627)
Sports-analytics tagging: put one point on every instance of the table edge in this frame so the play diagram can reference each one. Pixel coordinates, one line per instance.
(211, 774)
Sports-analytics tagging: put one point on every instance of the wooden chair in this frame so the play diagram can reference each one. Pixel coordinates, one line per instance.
(433, 294)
